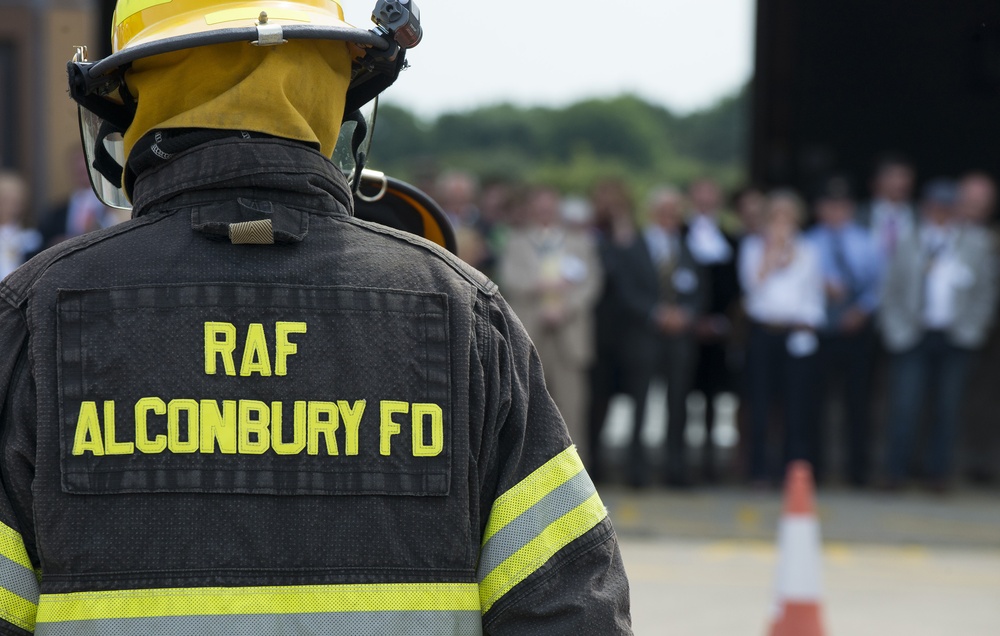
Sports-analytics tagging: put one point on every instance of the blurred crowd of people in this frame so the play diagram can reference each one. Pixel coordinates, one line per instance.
(867, 312)
(874, 307)
(80, 213)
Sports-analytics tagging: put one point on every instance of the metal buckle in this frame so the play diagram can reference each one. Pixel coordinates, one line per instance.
(372, 176)
(268, 34)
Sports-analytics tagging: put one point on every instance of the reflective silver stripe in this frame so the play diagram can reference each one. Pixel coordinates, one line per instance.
(19, 580)
(432, 623)
(533, 521)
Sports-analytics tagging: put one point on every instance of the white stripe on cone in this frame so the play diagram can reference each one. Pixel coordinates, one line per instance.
(798, 582)
(799, 577)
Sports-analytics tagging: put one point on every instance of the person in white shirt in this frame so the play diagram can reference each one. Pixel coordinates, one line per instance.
(783, 285)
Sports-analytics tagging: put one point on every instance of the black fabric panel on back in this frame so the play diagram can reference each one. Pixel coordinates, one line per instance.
(262, 390)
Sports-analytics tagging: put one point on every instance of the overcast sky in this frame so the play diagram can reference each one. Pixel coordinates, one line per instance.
(683, 54)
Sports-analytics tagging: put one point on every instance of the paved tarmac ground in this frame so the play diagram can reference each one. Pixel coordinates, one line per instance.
(702, 563)
(723, 588)
(966, 519)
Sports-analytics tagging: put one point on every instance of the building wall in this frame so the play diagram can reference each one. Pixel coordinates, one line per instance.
(18, 95)
(39, 130)
(64, 29)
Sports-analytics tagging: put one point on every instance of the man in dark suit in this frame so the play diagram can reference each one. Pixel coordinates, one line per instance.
(624, 348)
(645, 321)
(715, 251)
(681, 296)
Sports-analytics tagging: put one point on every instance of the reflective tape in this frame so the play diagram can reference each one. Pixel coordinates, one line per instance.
(561, 501)
(12, 546)
(430, 623)
(18, 582)
(532, 489)
(529, 524)
(446, 609)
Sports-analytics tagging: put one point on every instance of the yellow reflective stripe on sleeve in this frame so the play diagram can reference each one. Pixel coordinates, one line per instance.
(18, 581)
(17, 611)
(539, 550)
(12, 546)
(216, 601)
(532, 489)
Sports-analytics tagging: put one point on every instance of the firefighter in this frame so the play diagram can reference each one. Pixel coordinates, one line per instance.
(246, 412)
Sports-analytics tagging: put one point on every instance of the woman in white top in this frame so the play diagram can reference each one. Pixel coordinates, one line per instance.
(783, 296)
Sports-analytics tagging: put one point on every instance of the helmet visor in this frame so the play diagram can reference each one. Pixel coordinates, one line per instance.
(110, 193)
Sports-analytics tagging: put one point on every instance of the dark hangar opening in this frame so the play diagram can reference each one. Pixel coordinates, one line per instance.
(840, 83)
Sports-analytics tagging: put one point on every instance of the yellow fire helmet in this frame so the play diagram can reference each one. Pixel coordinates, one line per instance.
(145, 28)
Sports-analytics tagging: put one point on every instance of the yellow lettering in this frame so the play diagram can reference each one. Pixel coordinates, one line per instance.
(216, 346)
(388, 428)
(174, 442)
(437, 430)
(351, 416)
(142, 441)
(298, 431)
(112, 447)
(88, 431)
(300, 416)
(323, 426)
(251, 427)
(255, 438)
(255, 356)
(218, 426)
(283, 347)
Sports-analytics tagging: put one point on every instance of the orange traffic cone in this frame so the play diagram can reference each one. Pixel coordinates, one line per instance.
(798, 584)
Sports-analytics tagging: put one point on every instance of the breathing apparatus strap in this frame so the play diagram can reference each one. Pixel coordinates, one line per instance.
(104, 163)
(116, 119)
(357, 141)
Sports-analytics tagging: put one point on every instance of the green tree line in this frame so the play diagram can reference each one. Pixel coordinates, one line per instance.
(572, 147)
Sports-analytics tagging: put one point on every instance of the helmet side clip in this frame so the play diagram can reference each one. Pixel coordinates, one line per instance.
(268, 34)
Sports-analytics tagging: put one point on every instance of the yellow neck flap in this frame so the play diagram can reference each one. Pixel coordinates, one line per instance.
(295, 90)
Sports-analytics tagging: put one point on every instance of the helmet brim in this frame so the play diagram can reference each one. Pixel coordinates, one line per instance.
(126, 56)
